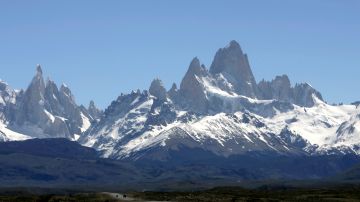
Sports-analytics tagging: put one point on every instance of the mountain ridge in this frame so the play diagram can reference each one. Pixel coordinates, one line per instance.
(209, 112)
(222, 110)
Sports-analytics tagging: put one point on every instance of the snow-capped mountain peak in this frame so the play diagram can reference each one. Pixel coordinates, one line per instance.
(42, 110)
(223, 111)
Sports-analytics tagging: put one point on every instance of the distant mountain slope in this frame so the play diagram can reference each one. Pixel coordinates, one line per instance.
(54, 147)
(60, 163)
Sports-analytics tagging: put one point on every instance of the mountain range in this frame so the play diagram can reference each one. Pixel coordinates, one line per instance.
(218, 114)
(223, 110)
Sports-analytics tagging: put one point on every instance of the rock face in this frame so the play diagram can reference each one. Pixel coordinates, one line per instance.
(7, 100)
(304, 95)
(43, 110)
(233, 64)
(32, 107)
(93, 111)
(157, 89)
(192, 89)
(174, 92)
(280, 89)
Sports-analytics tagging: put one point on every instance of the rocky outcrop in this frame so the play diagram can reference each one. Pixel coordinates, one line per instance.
(303, 95)
(174, 92)
(7, 101)
(280, 89)
(157, 89)
(93, 111)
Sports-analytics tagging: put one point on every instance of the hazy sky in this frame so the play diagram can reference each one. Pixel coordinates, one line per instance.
(103, 48)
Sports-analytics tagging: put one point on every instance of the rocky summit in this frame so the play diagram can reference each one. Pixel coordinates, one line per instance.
(234, 65)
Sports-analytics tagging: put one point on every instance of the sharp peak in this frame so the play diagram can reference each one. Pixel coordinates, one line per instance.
(39, 70)
(283, 76)
(92, 104)
(63, 85)
(157, 79)
(233, 43)
(303, 84)
(195, 58)
(157, 82)
(3, 82)
(232, 47)
(49, 80)
(65, 88)
(308, 84)
(196, 67)
(195, 61)
(174, 85)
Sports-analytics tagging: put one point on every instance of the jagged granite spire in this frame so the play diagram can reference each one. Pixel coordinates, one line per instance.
(233, 64)
(195, 67)
(37, 84)
(157, 89)
(191, 89)
(7, 100)
(94, 112)
(32, 105)
(303, 95)
(173, 88)
(52, 97)
(38, 69)
(280, 89)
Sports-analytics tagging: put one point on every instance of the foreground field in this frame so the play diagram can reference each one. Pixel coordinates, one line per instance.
(91, 197)
(226, 194)
(239, 194)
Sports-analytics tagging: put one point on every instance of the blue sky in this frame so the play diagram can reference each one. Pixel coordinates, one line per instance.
(103, 48)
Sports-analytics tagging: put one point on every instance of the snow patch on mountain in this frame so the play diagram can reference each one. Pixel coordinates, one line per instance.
(7, 134)
(85, 122)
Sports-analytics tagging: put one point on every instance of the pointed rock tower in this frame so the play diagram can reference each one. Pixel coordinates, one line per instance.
(233, 64)
(94, 112)
(33, 102)
(192, 90)
(157, 89)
